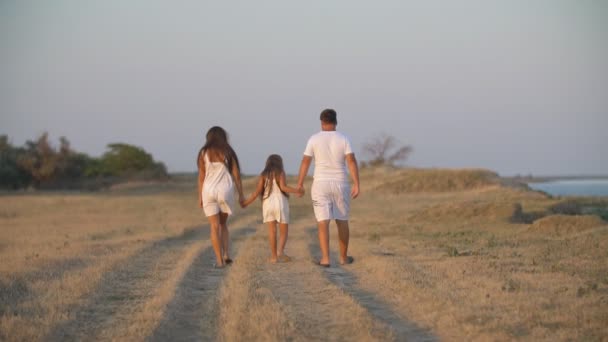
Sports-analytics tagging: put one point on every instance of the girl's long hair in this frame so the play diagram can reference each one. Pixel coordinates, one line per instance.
(272, 170)
(217, 143)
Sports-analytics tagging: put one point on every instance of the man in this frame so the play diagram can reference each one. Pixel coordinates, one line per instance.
(331, 191)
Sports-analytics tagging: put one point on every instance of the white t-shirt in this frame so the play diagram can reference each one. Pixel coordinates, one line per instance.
(329, 148)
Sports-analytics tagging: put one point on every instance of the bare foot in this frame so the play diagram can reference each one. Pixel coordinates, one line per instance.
(321, 262)
(348, 260)
(284, 258)
(272, 260)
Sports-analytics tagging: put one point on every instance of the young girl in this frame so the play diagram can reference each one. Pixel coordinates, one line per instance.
(272, 189)
(218, 172)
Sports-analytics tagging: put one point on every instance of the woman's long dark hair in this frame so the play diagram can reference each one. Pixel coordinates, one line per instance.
(272, 170)
(217, 142)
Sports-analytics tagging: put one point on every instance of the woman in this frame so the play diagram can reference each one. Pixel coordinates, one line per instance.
(218, 172)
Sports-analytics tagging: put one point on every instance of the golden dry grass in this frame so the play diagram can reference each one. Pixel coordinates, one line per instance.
(448, 254)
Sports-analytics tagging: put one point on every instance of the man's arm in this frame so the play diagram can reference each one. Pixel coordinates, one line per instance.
(353, 168)
(304, 166)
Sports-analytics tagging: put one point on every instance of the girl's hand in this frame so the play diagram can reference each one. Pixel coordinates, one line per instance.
(242, 203)
(300, 191)
(354, 192)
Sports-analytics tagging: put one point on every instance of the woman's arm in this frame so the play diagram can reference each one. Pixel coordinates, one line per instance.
(201, 180)
(283, 185)
(236, 175)
(258, 190)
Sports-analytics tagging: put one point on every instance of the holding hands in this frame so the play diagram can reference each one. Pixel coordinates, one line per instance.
(301, 191)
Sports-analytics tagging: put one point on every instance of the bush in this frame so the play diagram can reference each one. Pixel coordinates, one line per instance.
(40, 165)
(12, 176)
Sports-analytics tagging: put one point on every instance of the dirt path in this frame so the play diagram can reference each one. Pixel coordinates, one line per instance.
(170, 291)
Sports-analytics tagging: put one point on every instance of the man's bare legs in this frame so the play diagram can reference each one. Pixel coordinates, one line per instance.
(216, 239)
(343, 234)
(225, 236)
(323, 227)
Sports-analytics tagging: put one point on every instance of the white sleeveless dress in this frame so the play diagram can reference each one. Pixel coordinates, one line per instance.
(218, 188)
(276, 206)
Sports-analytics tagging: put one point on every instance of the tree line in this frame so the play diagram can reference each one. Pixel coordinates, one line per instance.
(38, 164)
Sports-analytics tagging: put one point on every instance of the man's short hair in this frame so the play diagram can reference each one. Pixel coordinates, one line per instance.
(328, 116)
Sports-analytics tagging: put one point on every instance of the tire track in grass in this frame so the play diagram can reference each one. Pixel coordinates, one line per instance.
(124, 286)
(338, 275)
(107, 312)
(289, 301)
(192, 313)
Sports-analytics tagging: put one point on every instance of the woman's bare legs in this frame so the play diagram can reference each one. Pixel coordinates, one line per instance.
(225, 236)
(272, 239)
(283, 227)
(216, 239)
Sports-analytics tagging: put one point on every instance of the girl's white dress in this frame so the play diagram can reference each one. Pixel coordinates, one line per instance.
(275, 205)
(218, 188)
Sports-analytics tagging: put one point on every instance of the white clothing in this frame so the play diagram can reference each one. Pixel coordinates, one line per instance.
(328, 149)
(275, 205)
(330, 189)
(218, 188)
(330, 200)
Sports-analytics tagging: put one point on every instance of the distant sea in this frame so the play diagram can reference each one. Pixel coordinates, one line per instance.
(573, 187)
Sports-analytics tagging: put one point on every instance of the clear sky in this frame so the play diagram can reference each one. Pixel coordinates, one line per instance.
(516, 86)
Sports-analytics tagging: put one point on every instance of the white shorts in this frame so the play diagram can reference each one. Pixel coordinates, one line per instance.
(331, 200)
(218, 200)
(276, 208)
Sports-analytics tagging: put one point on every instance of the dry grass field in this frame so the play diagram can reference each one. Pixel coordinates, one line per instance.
(439, 255)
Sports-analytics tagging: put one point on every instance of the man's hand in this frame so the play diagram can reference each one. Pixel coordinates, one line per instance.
(354, 191)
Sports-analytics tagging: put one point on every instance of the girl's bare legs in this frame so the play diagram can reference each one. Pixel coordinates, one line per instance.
(225, 236)
(272, 239)
(215, 232)
(283, 227)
